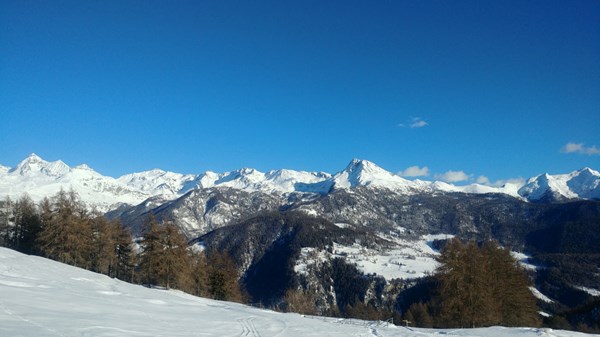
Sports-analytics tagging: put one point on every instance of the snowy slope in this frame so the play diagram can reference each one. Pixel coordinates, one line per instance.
(39, 178)
(39, 297)
(584, 184)
(366, 173)
(158, 182)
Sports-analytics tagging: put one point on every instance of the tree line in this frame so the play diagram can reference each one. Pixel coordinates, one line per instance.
(62, 228)
(475, 284)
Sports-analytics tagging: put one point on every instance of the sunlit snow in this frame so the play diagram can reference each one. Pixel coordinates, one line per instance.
(39, 297)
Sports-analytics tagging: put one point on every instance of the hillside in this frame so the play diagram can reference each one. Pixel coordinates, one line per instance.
(39, 297)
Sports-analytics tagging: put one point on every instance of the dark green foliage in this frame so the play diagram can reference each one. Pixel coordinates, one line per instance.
(349, 283)
(223, 279)
(273, 242)
(27, 225)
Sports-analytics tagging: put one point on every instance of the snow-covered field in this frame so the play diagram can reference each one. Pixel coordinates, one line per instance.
(405, 260)
(39, 297)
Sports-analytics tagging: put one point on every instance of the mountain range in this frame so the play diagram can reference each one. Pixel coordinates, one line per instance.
(287, 227)
(39, 178)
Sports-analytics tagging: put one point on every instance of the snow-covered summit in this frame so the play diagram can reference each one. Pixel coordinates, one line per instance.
(584, 184)
(34, 165)
(39, 178)
(365, 173)
(159, 182)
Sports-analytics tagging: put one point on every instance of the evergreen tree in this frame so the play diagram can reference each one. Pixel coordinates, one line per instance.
(124, 266)
(151, 251)
(27, 225)
(222, 278)
(6, 221)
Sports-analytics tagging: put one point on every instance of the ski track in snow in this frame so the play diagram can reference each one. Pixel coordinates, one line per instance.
(39, 297)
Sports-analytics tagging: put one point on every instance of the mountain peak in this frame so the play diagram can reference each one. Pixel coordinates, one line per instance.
(360, 172)
(84, 167)
(363, 165)
(33, 158)
(31, 163)
(588, 171)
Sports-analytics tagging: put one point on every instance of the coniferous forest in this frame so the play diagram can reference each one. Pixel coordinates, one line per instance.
(477, 284)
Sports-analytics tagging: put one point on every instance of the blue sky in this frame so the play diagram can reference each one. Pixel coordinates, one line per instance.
(502, 89)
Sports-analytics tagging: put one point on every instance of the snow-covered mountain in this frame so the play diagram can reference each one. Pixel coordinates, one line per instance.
(582, 184)
(41, 297)
(39, 178)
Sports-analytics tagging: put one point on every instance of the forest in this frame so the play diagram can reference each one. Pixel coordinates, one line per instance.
(477, 284)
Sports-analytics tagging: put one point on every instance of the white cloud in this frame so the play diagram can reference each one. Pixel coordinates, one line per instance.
(413, 123)
(517, 181)
(483, 180)
(453, 176)
(580, 148)
(418, 124)
(415, 171)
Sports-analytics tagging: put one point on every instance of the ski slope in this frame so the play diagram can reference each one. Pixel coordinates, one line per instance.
(39, 297)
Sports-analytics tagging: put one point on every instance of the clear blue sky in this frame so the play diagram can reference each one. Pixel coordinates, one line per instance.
(499, 88)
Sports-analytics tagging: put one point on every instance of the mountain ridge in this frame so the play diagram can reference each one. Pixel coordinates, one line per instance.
(39, 178)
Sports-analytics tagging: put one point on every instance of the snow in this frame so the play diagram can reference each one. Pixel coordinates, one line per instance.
(540, 296)
(366, 173)
(591, 291)
(39, 297)
(39, 178)
(523, 260)
(584, 183)
(405, 259)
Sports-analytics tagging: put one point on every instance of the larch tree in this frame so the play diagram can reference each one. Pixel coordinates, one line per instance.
(66, 234)
(151, 251)
(165, 259)
(482, 286)
(104, 257)
(175, 261)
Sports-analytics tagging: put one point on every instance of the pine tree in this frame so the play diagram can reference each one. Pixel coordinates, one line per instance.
(6, 222)
(26, 227)
(223, 279)
(124, 265)
(151, 251)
